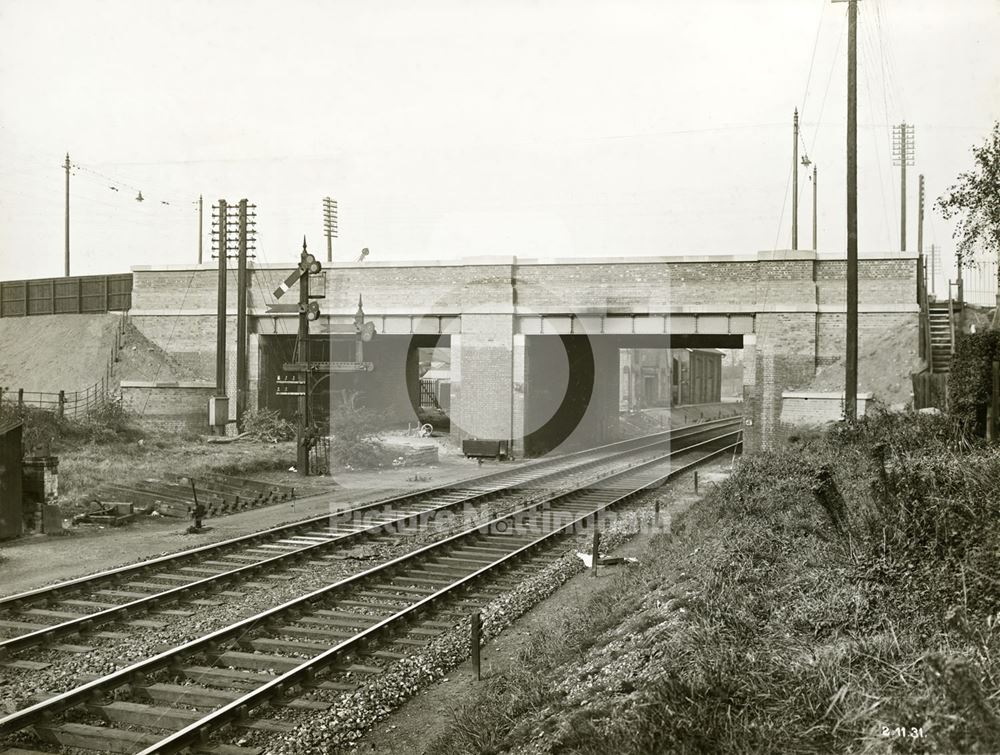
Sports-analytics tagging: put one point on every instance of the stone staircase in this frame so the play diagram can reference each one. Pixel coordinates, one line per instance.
(940, 326)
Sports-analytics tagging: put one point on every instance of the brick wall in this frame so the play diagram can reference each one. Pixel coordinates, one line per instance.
(784, 356)
(176, 407)
(785, 290)
(880, 282)
(799, 408)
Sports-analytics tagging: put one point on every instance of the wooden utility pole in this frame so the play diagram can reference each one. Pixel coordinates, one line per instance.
(795, 180)
(329, 225)
(201, 232)
(815, 247)
(902, 152)
(67, 167)
(920, 214)
(241, 319)
(851, 372)
(220, 329)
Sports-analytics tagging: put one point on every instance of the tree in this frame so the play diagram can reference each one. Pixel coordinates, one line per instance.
(975, 202)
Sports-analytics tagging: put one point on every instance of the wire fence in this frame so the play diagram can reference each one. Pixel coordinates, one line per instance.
(75, 404)
(979, 283)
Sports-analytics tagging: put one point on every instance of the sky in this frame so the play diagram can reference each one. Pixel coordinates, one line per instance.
(446, 129)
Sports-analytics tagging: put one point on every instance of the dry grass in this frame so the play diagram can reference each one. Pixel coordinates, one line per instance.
(84, 469)
(111, 445)
(796, 630)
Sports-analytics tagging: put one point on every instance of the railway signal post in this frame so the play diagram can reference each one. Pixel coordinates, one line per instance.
(303, 366)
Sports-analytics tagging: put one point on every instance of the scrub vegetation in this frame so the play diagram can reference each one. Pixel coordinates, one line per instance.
(838, 594)
(109, 443)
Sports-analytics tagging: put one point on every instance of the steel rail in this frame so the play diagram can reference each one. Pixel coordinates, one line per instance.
(209, 644)
(88, 622)
(48, 592)
(239, 709)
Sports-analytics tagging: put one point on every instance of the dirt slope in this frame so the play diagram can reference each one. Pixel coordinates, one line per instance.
(55, 352)
(885, 363)
(141, 359)
(49, 353)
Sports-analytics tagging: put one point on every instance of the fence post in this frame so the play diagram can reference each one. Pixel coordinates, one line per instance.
(994, 421)
(475, 637)
(595, 548)
(79, 295)
(62, 404)
(20, 398)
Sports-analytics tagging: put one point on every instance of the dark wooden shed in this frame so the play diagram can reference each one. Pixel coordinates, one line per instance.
(11, 504)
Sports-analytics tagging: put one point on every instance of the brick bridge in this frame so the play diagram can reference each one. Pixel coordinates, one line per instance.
(534, 342)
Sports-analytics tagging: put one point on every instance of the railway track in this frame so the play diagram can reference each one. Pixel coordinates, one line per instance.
(81, 606)
(347, 629)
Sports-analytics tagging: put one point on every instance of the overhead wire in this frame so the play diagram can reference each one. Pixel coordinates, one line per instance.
(761, 325)
(802, 110)
(865, 50)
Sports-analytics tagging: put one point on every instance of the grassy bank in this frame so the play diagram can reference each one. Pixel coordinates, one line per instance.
(784, 614)
(109, 444)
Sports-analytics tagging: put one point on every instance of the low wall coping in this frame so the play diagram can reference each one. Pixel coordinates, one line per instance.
(509, 260)
(162, 384)
(823, 395)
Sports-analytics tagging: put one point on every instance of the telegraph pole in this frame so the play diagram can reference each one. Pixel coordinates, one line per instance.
(201, 233)
(329, 225)
(241, 319)
(851, 372)
(795, 181)
(902, 153)
(814, 208)
(220, 330)
(920, 219)
(67, 166)
(920, 214)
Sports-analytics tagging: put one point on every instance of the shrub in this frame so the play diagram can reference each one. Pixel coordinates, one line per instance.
(108, 422)
(971, 378)
(267, 425)
(45, 432)
(901, 433)
(355, 440)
